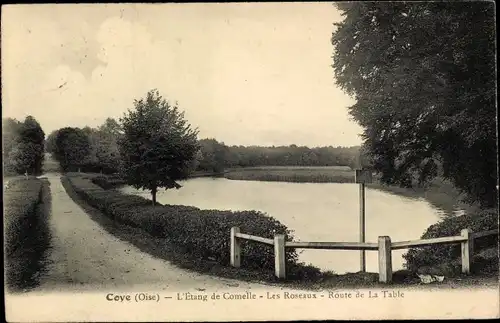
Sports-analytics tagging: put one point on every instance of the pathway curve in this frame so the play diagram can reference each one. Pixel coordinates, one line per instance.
(84, 256)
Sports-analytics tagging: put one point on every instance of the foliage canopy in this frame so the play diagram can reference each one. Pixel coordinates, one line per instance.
(158, 145)
(23, 146)
(423, 76)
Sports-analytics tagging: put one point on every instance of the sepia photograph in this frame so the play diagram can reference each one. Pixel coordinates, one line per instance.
(250, 161)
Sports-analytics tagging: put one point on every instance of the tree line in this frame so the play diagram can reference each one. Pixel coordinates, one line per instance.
(23, 146)
(153, 146)
(96, 150)
(87, 149)
(216, 156)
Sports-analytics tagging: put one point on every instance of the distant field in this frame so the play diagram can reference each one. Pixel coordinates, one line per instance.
(298, 174)
(294, 168)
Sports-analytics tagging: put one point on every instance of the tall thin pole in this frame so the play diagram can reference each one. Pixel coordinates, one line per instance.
(362, 225)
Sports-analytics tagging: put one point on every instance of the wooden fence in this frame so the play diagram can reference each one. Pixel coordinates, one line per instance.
(384, 247)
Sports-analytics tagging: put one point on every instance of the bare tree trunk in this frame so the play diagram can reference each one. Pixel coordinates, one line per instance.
(153, 195)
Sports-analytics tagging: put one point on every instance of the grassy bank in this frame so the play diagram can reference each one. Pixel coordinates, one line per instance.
(205, 174)
(440, 193)
(27, 205)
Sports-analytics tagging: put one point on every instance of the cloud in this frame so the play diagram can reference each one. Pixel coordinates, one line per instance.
(242, 76)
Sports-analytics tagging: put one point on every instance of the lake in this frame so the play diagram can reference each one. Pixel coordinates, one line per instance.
(315, 212)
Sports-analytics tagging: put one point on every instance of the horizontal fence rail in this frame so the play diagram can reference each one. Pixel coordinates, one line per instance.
(255, 238)
(333, 245)
(384, 248)
(484, 233)
(426, 242)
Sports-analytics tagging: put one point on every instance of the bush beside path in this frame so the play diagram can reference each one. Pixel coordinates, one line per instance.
(26, 211)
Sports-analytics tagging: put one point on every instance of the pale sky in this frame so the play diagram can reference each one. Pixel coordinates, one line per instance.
(248, 73)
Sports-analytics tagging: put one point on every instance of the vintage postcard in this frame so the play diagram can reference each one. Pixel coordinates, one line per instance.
(250, 161)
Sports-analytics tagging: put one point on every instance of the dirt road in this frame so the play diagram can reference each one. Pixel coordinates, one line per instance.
(84, 256)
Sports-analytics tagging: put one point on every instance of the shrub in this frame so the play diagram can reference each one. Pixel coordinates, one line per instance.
(448, 255)
(108, 182)
(201, 233)
(20, 203)
(91, 168)
(28, 235)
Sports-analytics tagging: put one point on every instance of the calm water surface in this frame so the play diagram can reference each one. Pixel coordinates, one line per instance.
(316, 212)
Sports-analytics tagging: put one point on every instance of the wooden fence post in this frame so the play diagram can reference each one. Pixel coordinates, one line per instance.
(362, 263)
(467, 250)
(384, 259)
(279, 256)
(235, 248)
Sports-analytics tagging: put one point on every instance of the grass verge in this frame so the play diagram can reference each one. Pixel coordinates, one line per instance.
(293, 174)
(26, 232)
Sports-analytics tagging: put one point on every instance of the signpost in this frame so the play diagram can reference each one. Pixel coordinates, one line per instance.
(362, 177)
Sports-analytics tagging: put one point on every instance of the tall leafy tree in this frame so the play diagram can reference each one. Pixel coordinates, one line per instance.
(423, 76)
(158, 145)
(112, 127)
(72, 147)
(24, 157)
(364, 160)
(23, 144)
(92, 160)
(10, 139)
(32, 137)
(214, 155)
(108, 135)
